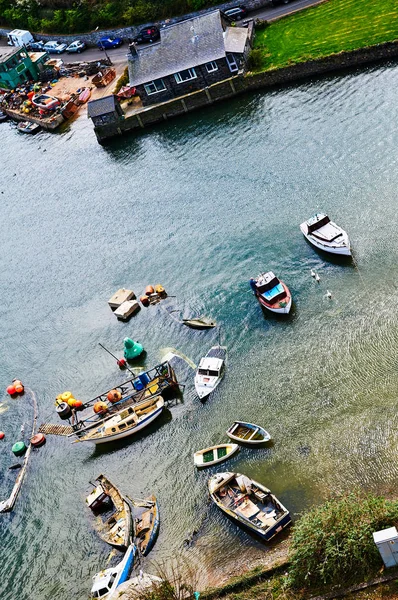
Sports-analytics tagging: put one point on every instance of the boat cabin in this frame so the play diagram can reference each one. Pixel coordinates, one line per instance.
(102, 583)
(269, 286)
(210, 367)
(97, 498)
(316, 222)
(321, 227)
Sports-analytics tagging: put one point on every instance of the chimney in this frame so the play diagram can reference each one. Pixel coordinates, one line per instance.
(133, 51)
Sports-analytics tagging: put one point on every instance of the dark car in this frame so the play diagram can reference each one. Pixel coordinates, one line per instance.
(237, 13)
(147, 35)
(36, 46)
(106, 43)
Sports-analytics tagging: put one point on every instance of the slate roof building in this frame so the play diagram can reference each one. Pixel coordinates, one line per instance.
(104, 110)
(190, 55)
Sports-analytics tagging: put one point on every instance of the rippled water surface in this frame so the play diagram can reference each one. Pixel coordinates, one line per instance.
(200, 204)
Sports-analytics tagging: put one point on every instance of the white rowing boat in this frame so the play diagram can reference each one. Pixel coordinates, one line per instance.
(214, 455)
(248, 433)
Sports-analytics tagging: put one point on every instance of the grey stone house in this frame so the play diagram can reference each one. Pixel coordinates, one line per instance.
(104, 111)
(190, 55)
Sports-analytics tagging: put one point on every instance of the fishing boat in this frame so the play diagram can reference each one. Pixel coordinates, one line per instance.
(248, 433)
(112, 511)
(214, 455)
(123, 424)
(147, 524)
(45, 102)
(199, 323)
(272, 293)
(27, 127)
(106, 583)
(325, 235)
(249, 503)
(210, 371)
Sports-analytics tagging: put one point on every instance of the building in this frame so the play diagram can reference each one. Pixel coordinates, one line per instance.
(190, 55)
(104, 111)
(17, 66)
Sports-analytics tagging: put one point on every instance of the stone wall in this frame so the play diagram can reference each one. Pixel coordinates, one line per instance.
(127, 33)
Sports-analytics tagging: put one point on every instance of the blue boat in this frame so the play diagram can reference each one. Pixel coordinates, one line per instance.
(106, 583)
(147, 524)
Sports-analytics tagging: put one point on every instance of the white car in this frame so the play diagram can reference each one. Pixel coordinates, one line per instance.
(76, 46)
(54, 47)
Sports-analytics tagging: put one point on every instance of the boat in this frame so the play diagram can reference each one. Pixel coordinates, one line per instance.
(249, 504)
(272, 293)
(210, 371)
(199, 323)
(214, 455)
(45, 102)
(325, 235)
(104, 77)
(84, 94)
(248, 433)
(27, 127)
(71, 107)
(113, 513)
(123, 424)
(146, 526)
(106, 583)
(3, 116)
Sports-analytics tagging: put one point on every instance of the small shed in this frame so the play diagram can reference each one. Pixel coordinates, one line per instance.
(104, 110)
(386, 541)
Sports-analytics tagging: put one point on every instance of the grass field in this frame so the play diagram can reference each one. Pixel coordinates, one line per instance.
(336, 26)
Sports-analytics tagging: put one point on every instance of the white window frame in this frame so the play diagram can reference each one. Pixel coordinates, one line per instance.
(232, 64)
(158, 85)
(192, 75)
(211, 66)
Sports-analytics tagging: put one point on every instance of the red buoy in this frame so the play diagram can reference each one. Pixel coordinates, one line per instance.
(114, 396)
(149, 290)
(78, 405)
(122, 363)
(2, 435)
(11, 390)
(38, 440)
(144, 300)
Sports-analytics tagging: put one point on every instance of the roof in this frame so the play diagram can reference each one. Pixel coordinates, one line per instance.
(18, 32)
(102, 106)
(235, 39)
(6, 53)
(183, 45)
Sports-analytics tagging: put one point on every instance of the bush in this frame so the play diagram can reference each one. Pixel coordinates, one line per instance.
(122, 81)
(255, 60)
(333, 543)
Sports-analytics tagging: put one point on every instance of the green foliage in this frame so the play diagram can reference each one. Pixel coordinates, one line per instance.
(333, 543)
(332, 27)
(122, 81)
(255, 59)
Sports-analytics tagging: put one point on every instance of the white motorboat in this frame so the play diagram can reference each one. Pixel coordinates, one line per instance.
(325, 235)
(107, 582)
(210, 371)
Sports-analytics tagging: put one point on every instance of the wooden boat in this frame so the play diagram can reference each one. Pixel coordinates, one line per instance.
(214, 455)
(45, 102)
(106, 584)
(27, 127)
(200, 323)
(249, 503)
(115, 528)
(210, 371)
(147, 524)
(325, 235)
(123, 424)
(248, 433)
(84, 94)
(71, 107)
(272, 294)
(104, 77)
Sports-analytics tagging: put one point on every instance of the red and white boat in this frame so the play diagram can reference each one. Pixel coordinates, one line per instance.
(45, 102)
(273, 294)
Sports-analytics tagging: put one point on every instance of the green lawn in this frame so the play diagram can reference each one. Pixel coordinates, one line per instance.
(326, 29)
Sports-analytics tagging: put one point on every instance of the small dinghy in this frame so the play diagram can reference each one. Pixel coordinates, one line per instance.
(106, 583)
(272, 294)
(214, 455)
(248, 433)
(325, 235)
(113, 513)
(147, 524)
(210, 371)
(3, 116)
(27, 127)
(84, 94)
(45, 102)
(200, 323)
(249, 504)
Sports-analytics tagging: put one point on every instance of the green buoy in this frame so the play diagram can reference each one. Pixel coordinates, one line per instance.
(19, 448)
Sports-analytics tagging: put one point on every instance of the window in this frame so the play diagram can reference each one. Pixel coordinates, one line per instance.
(153, 87)
(185, 75)
(233, 67)
(211, 67)
(122, 425)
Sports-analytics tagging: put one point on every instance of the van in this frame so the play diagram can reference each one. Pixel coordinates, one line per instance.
(19, 37)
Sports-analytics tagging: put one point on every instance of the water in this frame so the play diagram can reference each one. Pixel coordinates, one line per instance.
(200, 204)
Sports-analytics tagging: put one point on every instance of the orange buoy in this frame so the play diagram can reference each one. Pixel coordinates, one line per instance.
(100, 407)
(78, 405)
(19, 388)
(11, 390)
(114, 396)
(38, 440)
(2, 435)
(71, 402)
(144, 300)
(149, 290)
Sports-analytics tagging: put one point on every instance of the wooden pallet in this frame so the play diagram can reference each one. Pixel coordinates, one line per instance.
(51, 429)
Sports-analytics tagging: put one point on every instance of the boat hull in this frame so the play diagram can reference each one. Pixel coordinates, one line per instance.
(251, 427)
(274, 308)
(344, 250)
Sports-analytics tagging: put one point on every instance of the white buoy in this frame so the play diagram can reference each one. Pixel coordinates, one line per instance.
(313, 273)
(328, 294)
(317, 278)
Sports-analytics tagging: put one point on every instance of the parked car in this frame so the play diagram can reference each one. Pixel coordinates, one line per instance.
(237, 13)
(35, 46)
(106, 43)
(147, 35)
(76, 46)
(54, 47)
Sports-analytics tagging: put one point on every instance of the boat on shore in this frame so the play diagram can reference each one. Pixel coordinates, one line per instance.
(45, 102)
(106, 583)
(325, 235)
(249, 504)
(113, 513)
(146, 525)
(272, 293)
(248, 433)
(214, 455)
(28, 127)
(210, 371)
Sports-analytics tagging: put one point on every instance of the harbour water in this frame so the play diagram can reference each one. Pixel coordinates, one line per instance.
(201, 204)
